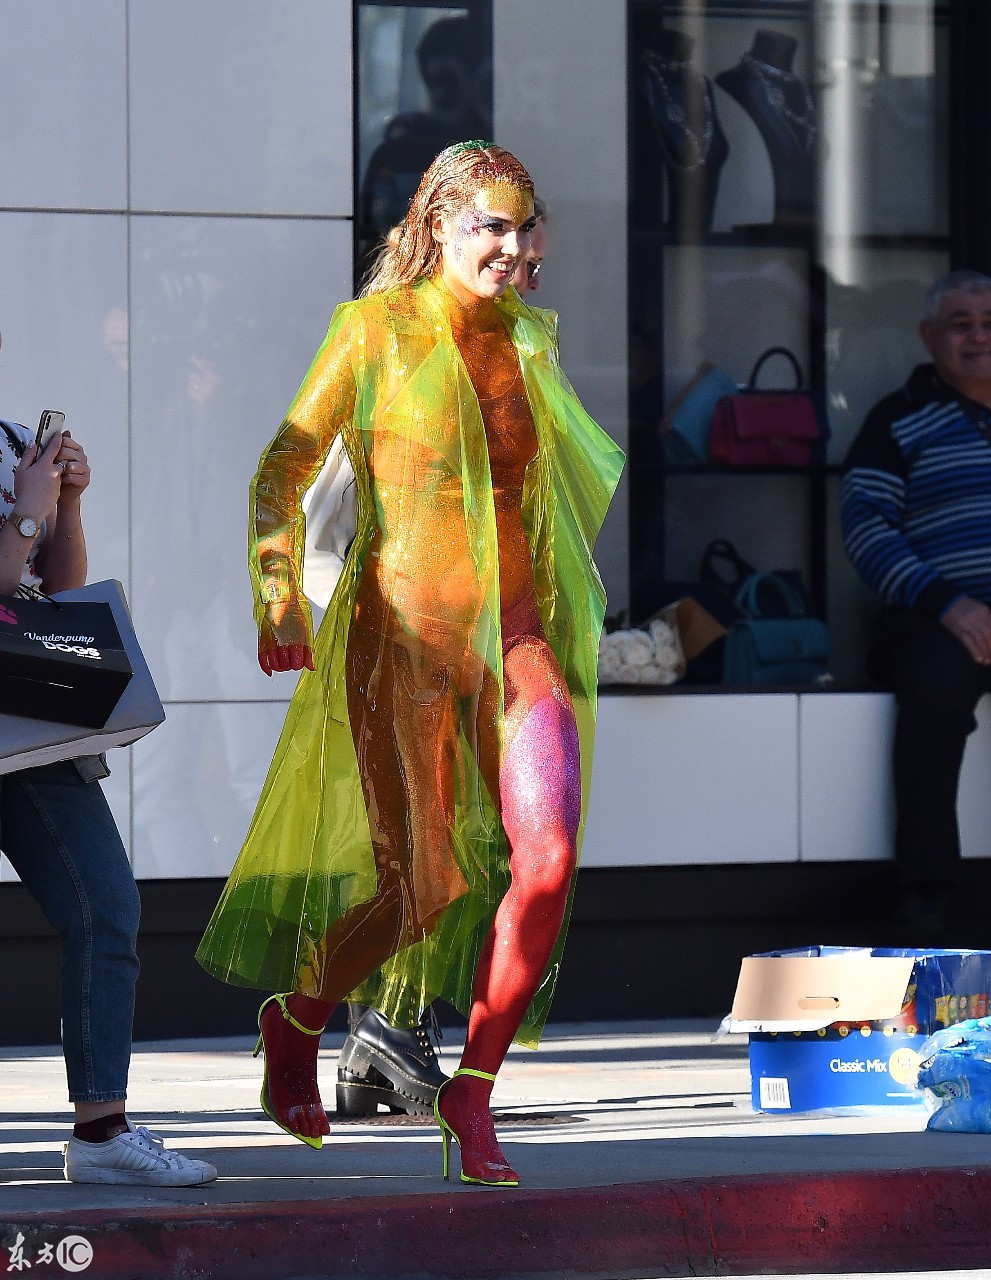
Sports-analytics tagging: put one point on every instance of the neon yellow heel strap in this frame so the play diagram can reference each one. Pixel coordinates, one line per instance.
(281, 1002)
(468, 1071)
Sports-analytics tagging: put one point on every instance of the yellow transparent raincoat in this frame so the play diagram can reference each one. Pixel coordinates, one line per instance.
(391, 380)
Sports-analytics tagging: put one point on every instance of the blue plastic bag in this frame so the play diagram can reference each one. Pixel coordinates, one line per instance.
(956, 1073)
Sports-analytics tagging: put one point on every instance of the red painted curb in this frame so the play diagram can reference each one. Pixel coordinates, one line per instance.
(884, 1220)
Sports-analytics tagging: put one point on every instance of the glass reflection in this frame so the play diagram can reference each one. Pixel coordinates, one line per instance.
(424, 81)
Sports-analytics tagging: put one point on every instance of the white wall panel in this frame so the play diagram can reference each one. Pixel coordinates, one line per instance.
(710, 778)
(974, 806)
(846, 803)
(846, 787)
(63, 138)
(196, 780)
(241, 106)
(228, 314)
(63, 280)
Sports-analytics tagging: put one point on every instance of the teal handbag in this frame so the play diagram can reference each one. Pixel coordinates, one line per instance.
(685, 426)
(773, 651)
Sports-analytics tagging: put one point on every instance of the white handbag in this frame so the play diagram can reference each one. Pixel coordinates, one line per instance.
(330, 508)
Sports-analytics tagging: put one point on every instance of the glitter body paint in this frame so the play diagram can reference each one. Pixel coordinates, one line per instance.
(484, 244)
(436, 746)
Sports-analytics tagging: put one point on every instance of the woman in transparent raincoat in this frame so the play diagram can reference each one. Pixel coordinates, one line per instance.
(417, 834)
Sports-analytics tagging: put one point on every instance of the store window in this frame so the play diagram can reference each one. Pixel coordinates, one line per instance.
(423, 80)
(788, 189)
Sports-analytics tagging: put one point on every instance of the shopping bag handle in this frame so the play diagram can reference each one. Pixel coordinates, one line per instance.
(24, 592)
(746, 597)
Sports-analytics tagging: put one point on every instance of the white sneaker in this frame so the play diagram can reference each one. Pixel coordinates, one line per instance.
(134, 1159)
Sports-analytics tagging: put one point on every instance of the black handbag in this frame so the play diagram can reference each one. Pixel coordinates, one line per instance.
(61, 661)
(724, 569)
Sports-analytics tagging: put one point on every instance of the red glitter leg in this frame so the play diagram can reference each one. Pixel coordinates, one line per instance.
(290, 1095)
(462, 1110)
(540, 799)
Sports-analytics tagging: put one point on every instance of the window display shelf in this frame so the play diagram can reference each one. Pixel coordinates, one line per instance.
(771, 205)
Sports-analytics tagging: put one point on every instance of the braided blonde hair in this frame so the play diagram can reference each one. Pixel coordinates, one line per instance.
(410, 251)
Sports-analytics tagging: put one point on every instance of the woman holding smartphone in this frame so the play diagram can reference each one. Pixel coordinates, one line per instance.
(417, 835)
(60, 836)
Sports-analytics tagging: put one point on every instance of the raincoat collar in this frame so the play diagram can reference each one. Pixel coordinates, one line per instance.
(529, 336)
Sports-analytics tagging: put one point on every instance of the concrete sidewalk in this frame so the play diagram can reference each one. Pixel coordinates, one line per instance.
(638, 1148)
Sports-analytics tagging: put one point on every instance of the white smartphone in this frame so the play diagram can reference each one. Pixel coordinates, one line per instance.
(52, 423)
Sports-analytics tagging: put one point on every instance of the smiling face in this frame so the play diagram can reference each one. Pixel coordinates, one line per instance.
(527, 277)
(484, 241)
(959, 341)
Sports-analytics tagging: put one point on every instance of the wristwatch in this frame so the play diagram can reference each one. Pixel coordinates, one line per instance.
(25, 525)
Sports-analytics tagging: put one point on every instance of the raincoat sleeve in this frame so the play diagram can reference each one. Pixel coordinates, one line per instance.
(322, 406)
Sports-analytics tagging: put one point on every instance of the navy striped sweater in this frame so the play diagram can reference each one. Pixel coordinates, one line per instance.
(916, 497)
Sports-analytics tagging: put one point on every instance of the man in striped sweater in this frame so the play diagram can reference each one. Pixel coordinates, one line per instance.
(916, 513)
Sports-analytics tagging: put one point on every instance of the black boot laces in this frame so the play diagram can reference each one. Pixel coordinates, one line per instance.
(429, 1026)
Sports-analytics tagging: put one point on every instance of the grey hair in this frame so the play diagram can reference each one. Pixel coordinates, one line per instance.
(952, 282)
(540, 209)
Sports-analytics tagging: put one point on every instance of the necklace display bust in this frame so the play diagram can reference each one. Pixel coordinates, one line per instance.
(779, 102)
(682, 124)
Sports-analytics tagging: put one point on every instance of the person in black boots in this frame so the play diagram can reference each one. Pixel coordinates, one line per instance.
(916, 511)
(779, 102)
(679, 106)
(386, 1066)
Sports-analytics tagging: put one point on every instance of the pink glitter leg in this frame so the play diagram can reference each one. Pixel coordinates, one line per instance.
(540, 792)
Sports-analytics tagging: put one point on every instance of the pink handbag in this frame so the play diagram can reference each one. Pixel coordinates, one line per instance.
(758, 428)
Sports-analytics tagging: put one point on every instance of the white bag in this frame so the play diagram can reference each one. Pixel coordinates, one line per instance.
(330, 507)
(26, 743)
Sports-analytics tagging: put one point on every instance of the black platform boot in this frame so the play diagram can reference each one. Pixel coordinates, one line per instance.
(383, 1065)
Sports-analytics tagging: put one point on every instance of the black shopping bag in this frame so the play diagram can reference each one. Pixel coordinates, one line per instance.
(61, 661)
(28, 743)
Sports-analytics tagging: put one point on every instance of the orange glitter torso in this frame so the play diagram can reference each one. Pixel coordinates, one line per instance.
(495, 373)
(425, 575)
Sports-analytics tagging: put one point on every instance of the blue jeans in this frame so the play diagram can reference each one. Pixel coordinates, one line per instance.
(61, 838)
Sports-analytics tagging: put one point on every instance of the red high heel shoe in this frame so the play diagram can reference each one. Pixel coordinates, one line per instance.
(484, 1169)
(266, 1098)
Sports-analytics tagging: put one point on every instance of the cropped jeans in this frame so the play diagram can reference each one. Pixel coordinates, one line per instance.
(61, 838)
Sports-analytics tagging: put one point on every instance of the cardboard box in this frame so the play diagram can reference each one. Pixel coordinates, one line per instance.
(834, 1028)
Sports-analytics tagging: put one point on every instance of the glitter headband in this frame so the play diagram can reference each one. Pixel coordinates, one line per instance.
(474, 144)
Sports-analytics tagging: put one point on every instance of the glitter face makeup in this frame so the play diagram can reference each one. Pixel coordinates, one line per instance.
(483, 244)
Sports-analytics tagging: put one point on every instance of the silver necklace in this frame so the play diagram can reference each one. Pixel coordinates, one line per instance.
(696, 145)
(801, 127)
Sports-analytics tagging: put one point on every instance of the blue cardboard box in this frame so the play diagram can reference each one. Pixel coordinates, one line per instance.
(797, 1071)
(834, 1028)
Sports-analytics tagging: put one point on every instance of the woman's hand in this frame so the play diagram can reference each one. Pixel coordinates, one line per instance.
(75, 469)
(284, 641)
(38, 481)
(285, 657)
